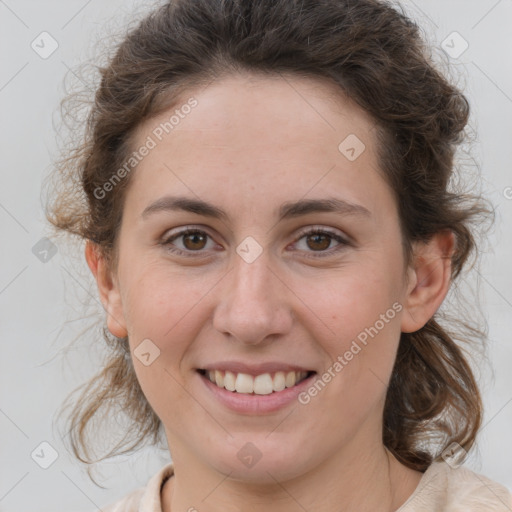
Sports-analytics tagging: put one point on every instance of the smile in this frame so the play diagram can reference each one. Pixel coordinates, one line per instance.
(263, 384)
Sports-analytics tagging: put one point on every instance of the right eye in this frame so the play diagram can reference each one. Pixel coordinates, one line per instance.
(188, 241)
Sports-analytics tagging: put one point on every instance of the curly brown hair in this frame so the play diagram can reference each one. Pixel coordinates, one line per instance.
(376, 55)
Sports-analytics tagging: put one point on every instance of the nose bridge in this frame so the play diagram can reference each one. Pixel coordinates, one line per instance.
(251, 281)
(252, 305)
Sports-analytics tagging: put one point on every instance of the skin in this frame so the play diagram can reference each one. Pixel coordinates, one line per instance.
(251, 144)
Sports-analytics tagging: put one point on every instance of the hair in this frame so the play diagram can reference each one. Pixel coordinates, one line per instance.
(376, 56)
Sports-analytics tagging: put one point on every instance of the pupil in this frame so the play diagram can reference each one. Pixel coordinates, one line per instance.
(319, 238)
(194, 238)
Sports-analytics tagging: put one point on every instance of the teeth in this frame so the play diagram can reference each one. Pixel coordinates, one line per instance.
(229, 381)
(219, 379)
(279, 381)
(290, 379)
(263, 384)
(244, 383)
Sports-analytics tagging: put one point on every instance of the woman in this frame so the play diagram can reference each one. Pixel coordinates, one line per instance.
(268, 218)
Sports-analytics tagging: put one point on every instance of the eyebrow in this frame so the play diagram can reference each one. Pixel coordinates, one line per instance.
(288, 210)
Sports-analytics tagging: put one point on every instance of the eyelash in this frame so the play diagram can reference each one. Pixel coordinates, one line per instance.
(307, 232)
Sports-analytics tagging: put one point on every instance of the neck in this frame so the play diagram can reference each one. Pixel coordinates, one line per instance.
(360, 482)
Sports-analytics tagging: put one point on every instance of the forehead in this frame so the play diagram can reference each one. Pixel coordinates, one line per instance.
(281, 103)
(274, 136)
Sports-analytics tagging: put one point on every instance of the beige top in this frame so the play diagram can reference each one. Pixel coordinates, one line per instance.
(441, 489)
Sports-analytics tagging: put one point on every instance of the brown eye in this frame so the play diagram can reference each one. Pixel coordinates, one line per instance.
(191, 242)
(194, 240)
(319, 241)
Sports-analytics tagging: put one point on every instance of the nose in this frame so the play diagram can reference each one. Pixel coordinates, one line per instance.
(254, 304)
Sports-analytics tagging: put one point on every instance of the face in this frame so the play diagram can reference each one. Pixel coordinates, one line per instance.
(260, 248)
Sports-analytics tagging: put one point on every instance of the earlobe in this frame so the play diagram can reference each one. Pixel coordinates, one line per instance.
(108, 289)
(431, 277)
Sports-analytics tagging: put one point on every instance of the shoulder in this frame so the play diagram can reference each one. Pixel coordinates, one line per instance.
(446, 489)
(144, 499)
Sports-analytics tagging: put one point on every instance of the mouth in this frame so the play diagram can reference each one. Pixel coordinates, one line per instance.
(262, 384)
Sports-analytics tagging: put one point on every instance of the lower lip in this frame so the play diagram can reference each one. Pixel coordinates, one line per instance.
(256, 404)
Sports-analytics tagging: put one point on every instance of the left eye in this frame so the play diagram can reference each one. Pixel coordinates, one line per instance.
(319, 240)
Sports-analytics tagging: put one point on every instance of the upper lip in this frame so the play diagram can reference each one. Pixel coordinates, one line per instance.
(254, 369)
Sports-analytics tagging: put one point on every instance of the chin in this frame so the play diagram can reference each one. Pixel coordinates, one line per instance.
(261, 466)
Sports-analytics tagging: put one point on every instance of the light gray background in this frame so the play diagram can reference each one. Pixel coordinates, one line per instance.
(41, 303)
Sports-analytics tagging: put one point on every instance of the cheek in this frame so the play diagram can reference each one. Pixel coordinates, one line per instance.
(163, 308)
(354, 300)
(157, 300)
(362, 311)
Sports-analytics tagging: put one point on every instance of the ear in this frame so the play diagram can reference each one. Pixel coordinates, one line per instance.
(108, 289)
(429, 280)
